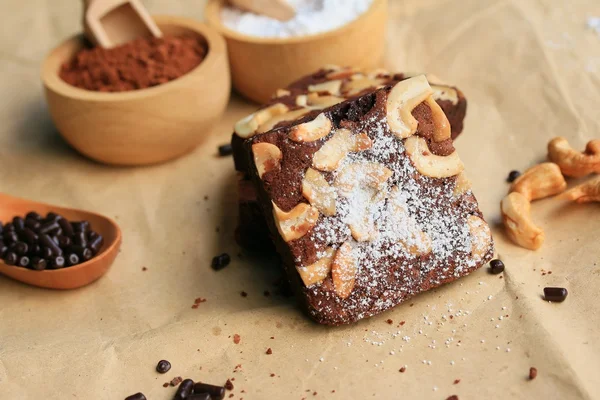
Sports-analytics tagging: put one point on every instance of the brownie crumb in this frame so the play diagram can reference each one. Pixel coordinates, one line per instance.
(403, 369)
(166, 384)
(272, 337)
(389, 321)
(453, 397)
(314, 393)
(176, 381)
(236, 340)
(231, 395)
(144, 269)
(532, 373)
(269, 351)
(199, 300)
(272, 375)
(402, 323)
(229, 385)
(267, 293)
(456, 381)
(243, 294)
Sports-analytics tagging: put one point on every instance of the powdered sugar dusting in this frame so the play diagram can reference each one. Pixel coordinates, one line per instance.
(408, 225)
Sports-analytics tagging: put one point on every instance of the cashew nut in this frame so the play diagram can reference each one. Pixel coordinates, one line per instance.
(586, 192)
(356, 86)
(463, 185)
(328, 157)
(331, 87)
(362, 184)
(540, 181)
(402, 100)
(517, 220)
(430, 164)
(286, 116)
(295, 223)
(267, 157)
(343, 270)
(572, 162)
(246, 127)
(318, 192)
(319, 270)
(481, 237)
(313, 130)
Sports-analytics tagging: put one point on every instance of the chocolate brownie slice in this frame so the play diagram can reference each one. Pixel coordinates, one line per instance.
(366, 201)
(328, 86)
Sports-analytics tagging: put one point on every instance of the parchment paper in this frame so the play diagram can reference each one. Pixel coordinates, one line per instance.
(531, 71)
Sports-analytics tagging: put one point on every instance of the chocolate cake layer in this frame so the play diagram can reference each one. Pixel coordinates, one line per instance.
(366, 200)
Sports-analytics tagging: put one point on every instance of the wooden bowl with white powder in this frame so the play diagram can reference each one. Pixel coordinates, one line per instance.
(266, 55)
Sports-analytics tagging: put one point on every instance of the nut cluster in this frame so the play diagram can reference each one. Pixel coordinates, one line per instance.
(362, 179)
(547, 179)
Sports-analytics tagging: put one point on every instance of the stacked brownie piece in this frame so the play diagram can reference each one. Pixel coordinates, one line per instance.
(355, 179)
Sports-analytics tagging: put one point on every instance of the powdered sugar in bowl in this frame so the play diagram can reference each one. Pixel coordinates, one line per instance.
(266, 54)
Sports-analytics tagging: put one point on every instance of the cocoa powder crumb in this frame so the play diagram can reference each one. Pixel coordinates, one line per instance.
(532, 373)
(138, 64)
(176, 381)
(236, 340)
(269, 351)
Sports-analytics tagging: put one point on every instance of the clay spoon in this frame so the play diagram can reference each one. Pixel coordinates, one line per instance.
(110, 23)
(278, 9)
(69, 277)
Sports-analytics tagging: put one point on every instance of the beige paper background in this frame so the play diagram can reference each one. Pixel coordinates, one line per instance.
(531, 71)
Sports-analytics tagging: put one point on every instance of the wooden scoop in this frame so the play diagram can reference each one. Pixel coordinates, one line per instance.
(278, 9)
(110, 23)
(68, 277)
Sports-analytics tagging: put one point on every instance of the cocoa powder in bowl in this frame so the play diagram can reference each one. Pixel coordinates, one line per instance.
(139, 64)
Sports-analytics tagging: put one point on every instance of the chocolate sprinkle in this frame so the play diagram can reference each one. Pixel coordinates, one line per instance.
(496, 266)
(555, 294)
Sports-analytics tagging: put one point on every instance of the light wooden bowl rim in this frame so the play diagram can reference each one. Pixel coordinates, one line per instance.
(212, 15)
(51, 67)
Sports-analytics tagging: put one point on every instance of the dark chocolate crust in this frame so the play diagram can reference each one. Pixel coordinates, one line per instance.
(387, 273)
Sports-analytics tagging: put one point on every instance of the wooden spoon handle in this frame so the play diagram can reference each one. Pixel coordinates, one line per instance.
(278, 9)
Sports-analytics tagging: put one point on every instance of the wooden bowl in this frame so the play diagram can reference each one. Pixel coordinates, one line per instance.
(260, 66)
(69, 277)
(142, 126)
